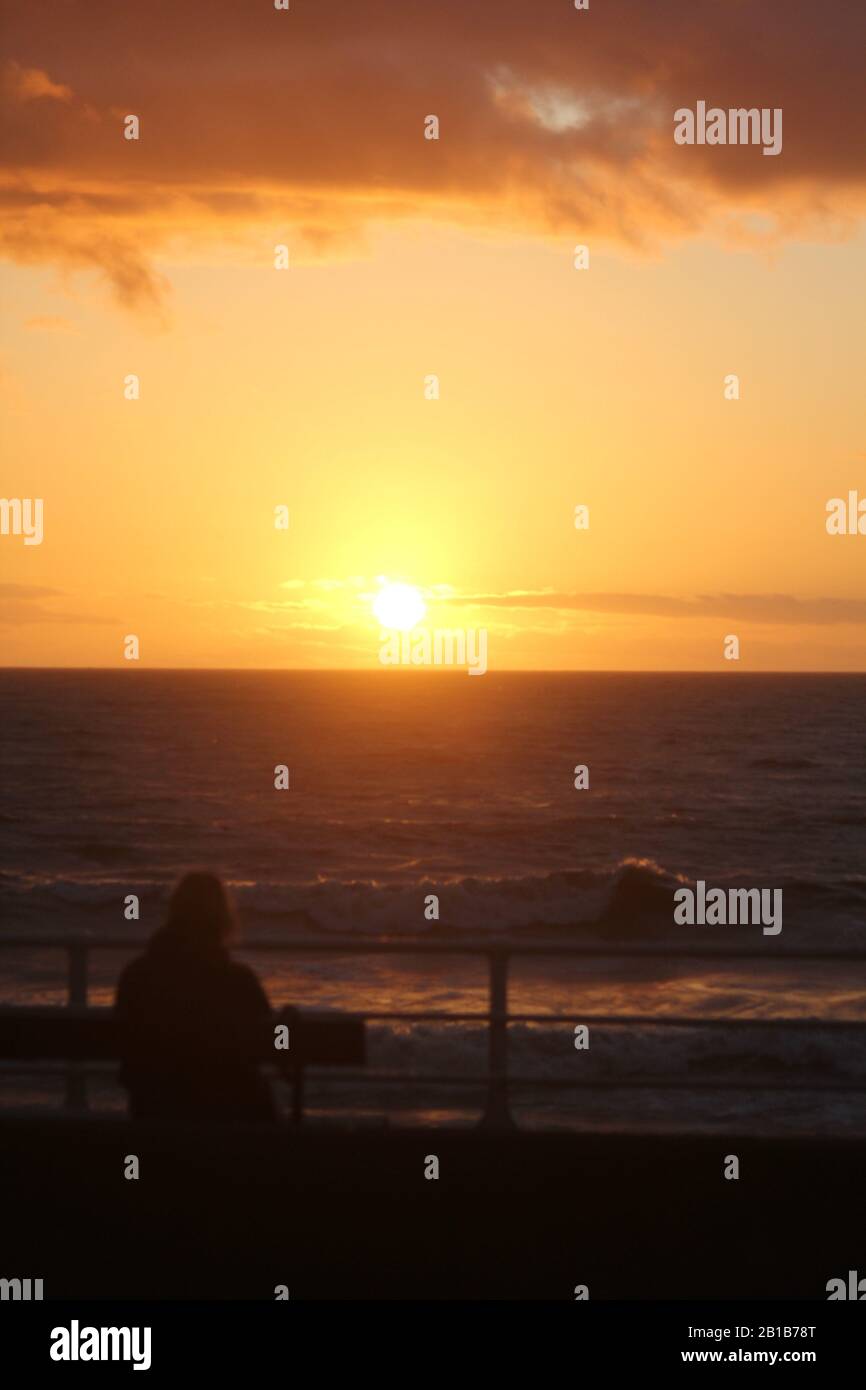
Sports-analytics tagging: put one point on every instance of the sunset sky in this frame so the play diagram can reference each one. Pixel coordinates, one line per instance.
(411, 257)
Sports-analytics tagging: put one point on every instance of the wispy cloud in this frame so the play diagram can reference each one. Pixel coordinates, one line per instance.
(23, 592)
(50, 323)
(22, 604)
(760, 608)
(315, 598)
(29, 84)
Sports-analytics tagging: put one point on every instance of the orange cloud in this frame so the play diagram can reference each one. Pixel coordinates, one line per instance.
(50, 323)
(553, 122)
(762, 608)
(22, 604)
(26, 84)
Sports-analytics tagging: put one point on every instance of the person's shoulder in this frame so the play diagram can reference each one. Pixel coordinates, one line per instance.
(242, 973)
(245, 980)
(134, 970)
(132, 981)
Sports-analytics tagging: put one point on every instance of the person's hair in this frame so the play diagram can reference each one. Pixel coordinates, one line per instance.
(200, 913)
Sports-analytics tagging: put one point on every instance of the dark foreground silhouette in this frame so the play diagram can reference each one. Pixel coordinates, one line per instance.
(346, 1214)
(192, 1018)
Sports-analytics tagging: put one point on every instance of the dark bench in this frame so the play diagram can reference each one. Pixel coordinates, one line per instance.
(94, 1035)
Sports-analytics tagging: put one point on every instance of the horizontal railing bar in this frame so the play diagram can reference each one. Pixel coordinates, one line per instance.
(683, 1021)
(480, 1081)
(650, 1083)
(442, 1016)
(616, 1020)
(591, 1084)
(390, 946)
(661, 1084)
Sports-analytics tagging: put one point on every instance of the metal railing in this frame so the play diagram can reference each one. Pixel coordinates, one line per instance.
(497, 1017)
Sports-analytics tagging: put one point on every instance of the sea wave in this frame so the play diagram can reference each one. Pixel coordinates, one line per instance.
(632, 898)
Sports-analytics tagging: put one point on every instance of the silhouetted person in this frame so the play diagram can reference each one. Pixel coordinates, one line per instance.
(193, 1020)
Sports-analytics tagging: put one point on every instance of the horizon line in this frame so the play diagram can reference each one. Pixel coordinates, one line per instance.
(452, 670)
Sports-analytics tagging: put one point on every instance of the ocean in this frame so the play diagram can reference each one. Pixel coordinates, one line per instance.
(404, 785)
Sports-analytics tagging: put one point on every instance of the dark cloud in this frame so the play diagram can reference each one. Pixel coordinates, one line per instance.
(552, 120)
(22, 605)
(39, 234)
(27, 591)
(758, 608)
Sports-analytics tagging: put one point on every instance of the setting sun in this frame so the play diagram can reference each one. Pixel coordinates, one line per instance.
(399, 606)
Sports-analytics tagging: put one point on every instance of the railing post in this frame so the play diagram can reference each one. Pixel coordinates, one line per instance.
(77, 979)
(76, 1078)
(496, 1113)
